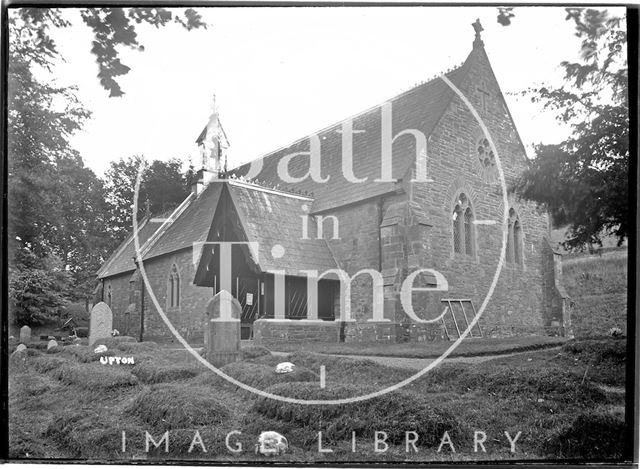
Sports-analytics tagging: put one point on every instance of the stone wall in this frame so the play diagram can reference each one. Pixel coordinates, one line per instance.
(272, 331)
(119, 288)
(189, 317)
(419, 234)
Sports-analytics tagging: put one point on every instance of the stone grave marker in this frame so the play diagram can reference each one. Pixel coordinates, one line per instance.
(25, 335)
(52, 343)
(222, 334)
(100, 322)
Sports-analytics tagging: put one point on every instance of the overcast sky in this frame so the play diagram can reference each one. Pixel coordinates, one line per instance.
(283, 73)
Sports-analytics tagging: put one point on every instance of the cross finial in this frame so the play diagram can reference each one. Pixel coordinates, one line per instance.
(477, 27)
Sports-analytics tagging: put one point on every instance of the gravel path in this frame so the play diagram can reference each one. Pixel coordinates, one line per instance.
(420, 363)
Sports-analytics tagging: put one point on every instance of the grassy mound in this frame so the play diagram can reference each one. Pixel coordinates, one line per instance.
(94, 376)
(89, 434)
(262, 376)
(591, 435)
(45, 364)
(85, 354)
(112, 342)
(151, 372)
(137, 347)
(170, 406)
(395, 413)
(249, 353)
(594, 351)
(33, 384)
(349, 370)
(525, 381)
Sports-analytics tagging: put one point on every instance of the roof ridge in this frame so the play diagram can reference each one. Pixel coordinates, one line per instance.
(262, 185)
(125, 242)
(165, 224)
(353, 116)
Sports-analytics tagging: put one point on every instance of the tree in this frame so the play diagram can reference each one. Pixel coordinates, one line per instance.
(57, 218)
(163, 187)
(38, 287)
(583, 181)
(112, 27)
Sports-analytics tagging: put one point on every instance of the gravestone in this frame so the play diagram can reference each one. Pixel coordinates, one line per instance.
(20, 348)
(222, 334)
(100, 322)
(52, 343)
(25, 335)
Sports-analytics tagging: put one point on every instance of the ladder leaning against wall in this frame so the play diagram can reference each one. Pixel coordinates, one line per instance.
(456, 318)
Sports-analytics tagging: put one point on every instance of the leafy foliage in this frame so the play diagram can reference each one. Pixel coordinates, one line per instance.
(583, 181)
(163, 186)
(111, 27)
(58, 223)
(37, 288)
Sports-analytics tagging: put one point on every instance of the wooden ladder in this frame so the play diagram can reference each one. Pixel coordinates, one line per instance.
(461, 320)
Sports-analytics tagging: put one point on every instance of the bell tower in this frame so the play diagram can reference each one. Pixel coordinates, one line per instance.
(212, 145)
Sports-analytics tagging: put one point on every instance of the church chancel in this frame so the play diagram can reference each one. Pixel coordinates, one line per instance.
(367, 230)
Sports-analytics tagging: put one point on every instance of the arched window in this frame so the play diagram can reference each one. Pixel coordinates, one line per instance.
(468, 231)
(173, 288)
(517, 242)
(109, 295)
(457, 230)
(463, 227)
(515, 239)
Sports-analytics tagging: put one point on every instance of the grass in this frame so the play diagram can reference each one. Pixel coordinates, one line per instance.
(66, 406)
(151, 373)
(94, 376)
(467, 348)
(170, 406)
(598, 287)
(395, 413)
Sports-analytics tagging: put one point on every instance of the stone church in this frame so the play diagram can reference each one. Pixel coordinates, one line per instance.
(376, 220)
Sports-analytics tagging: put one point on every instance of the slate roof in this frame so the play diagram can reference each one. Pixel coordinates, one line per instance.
(419, 108)
(121, 261)
(190, 226)
(274, 217)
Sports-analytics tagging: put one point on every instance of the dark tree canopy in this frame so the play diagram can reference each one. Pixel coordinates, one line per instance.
(583, 181)
(59, 225)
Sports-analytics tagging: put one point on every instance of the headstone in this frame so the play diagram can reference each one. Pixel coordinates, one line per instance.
(100, 322)
(52, 343)
(25, 335)
(222, 336)
(18, 358)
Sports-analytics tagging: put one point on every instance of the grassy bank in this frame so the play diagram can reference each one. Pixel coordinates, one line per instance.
(64, 405)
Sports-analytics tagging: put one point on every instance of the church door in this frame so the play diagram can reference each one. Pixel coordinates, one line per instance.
(248, 290)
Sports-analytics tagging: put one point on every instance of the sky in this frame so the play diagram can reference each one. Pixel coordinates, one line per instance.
(279, 74)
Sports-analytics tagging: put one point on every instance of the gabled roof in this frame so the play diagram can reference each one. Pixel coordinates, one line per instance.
(275, 218)
(121, 261)
(189, 226)
(420, 108)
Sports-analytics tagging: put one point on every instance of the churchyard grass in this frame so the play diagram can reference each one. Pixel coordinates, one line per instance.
(468, 347)
(567, 402)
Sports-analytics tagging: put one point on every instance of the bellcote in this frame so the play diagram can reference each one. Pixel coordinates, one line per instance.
(213, 144)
